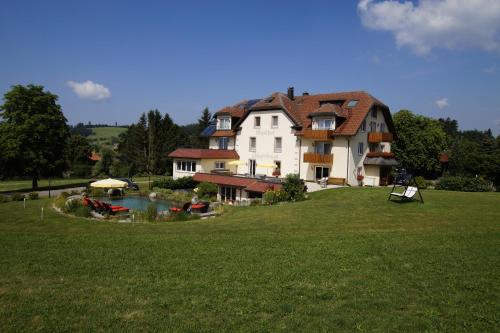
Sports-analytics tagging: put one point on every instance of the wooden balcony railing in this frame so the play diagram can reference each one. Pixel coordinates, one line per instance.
(375, 137)
(318, 158)
(318, 134)
(380, 154)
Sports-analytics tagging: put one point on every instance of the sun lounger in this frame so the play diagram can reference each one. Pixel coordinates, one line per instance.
(408, 194)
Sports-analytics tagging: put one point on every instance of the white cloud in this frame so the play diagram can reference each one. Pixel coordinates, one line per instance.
(428, 24)
(90, 90)
(442, 103)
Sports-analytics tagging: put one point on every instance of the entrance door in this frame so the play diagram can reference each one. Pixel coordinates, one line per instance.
(322, 172)
(251, 167)
(385, 173)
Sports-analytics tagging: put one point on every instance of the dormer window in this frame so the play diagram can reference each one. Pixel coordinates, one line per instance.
(324, 123)
(225, 123)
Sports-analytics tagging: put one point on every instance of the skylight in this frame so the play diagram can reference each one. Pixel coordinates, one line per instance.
(352, 103)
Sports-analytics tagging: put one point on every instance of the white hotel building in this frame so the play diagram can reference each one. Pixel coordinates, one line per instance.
(345, 137)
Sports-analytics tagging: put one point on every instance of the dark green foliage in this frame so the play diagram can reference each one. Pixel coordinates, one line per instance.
(207, 190)
(103, 167)
(4, 198)
(78, 152)
(17, 197)
(420, 141)
(151, 212)
(80, 129)
(33, 196)
(271, 197)
(293, 187)
(180, 216)
(179, 183)
(203, 123)
(463, 183)
(33, 133)
(97, 192)
(422, 182)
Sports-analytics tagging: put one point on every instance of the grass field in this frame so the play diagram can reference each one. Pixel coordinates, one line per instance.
(345, 260)
(103, 135)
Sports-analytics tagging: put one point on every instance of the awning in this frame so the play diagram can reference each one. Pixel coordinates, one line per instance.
(109, 183)
(238, 162)
(380, 161)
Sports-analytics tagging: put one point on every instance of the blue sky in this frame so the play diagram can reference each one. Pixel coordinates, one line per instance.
(181, 56)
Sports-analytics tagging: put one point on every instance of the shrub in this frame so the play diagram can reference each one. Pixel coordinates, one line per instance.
(17, 197)
(64, 194)
(33, 196)
(151, 212)
(82, 211)
(97, 192)
(273, 197)
(207, 190)
(60, 201)
(293, 188)
(72, 206)
(421, 182)
(465, 184)
(177, 184)
(4, 198)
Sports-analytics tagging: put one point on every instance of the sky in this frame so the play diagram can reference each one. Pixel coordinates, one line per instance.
(109, 61)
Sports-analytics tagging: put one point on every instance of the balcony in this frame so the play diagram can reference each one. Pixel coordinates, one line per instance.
(376, 137)
(318, 134)
(383, 154)
(318, 158)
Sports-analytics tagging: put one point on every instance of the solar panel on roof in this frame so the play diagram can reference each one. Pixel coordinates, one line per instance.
(251, 102)
(208, 131)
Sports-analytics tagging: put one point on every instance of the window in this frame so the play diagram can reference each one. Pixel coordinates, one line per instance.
(360, 148)
(256, 122)
(363, 126)
(225, 123)
(373, 126)
(277, 145)
(274, 122)
(189, 166)
(223, 142)
(374, 113)
(322, 172)
(382, 127)
(323, 148)
(352, 103)
(324, 123)
(227, 193)
(220, 165)
(253, 144)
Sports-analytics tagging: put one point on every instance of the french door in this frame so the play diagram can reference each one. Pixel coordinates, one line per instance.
(251, 167)
(322, 172)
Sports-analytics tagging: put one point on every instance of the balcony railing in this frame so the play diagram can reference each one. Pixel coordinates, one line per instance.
(318, 134)
(318, 158)
(380, 154)
(376, 137)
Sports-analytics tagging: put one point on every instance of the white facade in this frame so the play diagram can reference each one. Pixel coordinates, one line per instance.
(185, 169)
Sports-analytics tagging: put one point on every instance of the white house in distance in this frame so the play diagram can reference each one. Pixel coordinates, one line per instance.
(345, 137)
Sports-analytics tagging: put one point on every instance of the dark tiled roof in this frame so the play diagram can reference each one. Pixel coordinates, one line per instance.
(204, 153)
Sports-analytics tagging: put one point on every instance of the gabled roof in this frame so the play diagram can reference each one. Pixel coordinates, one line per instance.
(301, 109)
(195, 153)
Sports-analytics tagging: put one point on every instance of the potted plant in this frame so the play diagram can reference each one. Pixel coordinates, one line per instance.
(276, 172)
(360, 178)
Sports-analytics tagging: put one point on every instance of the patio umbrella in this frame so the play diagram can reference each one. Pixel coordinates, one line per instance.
(109, 183)
(237, 162)
(271, 165)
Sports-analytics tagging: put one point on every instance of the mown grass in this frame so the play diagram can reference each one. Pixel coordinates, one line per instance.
(345, 260)
(103, 135)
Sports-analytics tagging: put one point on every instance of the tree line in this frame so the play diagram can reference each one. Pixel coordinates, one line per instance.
(434, 147)
(36, 140)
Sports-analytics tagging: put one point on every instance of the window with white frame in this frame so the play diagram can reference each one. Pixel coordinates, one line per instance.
(323, 148)
(219, 165)
(223, 142)
(363, 126)
(256, 122)
(274, 122)
(188, 166)
(324, 123)
(225, 123)
(253, 144)
(277, 145)
(361, 148)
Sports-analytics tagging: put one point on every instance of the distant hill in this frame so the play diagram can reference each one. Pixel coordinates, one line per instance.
(105, 136)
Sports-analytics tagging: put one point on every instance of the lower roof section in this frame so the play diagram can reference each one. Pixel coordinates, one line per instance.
(246, 183)
(380, 161)
(196, 153)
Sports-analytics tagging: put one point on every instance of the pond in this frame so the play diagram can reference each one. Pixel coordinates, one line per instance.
(137, 203)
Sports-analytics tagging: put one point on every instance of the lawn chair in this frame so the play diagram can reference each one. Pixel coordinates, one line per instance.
(323, 182)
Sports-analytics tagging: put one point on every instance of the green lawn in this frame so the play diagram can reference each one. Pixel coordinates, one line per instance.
(104, 134)
(16, 185)
(346, 260)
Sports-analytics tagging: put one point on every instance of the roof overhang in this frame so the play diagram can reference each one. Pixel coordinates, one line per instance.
(381, 161)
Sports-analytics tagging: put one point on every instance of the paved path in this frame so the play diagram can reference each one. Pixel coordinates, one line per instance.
(313, 187)
(55, 193)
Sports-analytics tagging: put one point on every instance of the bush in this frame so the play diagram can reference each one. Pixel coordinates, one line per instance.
(422, 183)
(33, 196)
(293, 188)
(207, 190)
(4, 198)
(273, 197)
(17, 197)
(465, 184)
(82, 211)
(151, 212)
(60, 201)
(177, 184)
(97, 192)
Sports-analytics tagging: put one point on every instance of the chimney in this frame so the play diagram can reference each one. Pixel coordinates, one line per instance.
(305, 93)
(290, 93)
